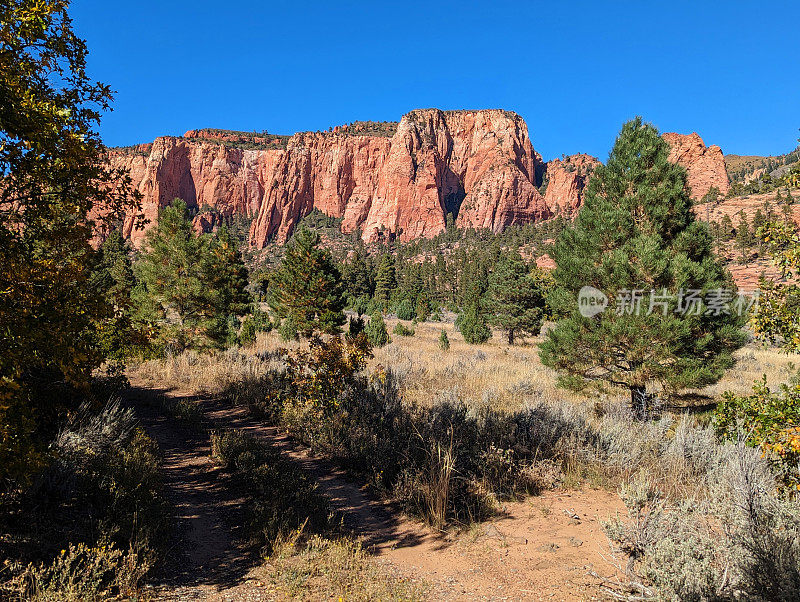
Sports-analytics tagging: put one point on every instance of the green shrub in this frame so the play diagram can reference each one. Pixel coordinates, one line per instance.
(771, 421)
(256, 322)
(360, 305)
(376, 330)
(472, 325)
(372, 306)
(444, 341)
(281, 497)
(288, 330)
(402, 330)
(405, 310)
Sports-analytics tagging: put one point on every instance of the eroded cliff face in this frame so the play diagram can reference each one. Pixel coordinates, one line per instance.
(202, 174)
(478, 166)
(390, 183)
(705, 165)
(566, 180)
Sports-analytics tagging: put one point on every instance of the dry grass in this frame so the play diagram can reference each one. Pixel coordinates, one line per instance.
(506, 376)
(336, 569)
(494, 374)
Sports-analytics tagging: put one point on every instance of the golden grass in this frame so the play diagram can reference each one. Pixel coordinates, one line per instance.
(336, 569)
(509, 374)
(494, 373)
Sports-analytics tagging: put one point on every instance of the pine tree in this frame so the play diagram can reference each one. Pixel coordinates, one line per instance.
(307, 289)
(113, 274)
(636, 232)
(515, 301)
(444, 341)
(189, 289)
(376, 331)
(385, 280)
(356, 275)
(472, 325)
(727, 227)
(744, 237)
(226, 277)
(171, 295)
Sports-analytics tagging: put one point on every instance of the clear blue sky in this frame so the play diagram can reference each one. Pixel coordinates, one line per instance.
(574, 70)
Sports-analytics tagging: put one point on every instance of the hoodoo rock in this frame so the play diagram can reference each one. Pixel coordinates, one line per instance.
(566, 179)
(705, 165)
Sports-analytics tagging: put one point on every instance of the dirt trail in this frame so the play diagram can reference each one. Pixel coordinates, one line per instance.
(540, 549)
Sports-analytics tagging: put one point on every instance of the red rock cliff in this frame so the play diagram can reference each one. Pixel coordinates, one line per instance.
(704, 165)
(566, 180)
(200, 173)
(476, 165)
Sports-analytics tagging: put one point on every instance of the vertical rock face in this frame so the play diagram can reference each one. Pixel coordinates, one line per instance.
(704, 165)
(385, 180)
(475, 165)
(566, 180)
(478, 166)
(332, 173)
(202, 174)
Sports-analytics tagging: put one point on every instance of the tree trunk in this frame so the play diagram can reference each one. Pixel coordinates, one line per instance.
(639, 401)
(510, 337)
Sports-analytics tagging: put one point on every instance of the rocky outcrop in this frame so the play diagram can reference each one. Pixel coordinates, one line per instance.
(384, 180)
(205, 175)
(478, 166)
(566, 179)
(474, 165)
(332, 173)
(705, 166)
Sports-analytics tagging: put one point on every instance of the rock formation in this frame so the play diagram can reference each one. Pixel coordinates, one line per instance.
(478, 166)
(704, 165)
(566, 178)
(384, 180)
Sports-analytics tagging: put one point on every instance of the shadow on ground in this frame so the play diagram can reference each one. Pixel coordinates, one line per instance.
(208, 547)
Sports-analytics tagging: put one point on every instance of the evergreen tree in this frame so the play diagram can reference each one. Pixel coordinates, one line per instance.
(472, 325)
(226, 278)
(307, 289)
(385, 280)
(727, 227)
(423, 309)
(189, 287)
(405, 310)
(171, 295)
(444, 341)
(356, 275)
(114, 274)
(515, 301)
(376, 331)
(636, 232)
(744, 237)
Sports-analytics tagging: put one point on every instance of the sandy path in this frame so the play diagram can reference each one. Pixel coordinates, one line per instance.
(536, 550)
